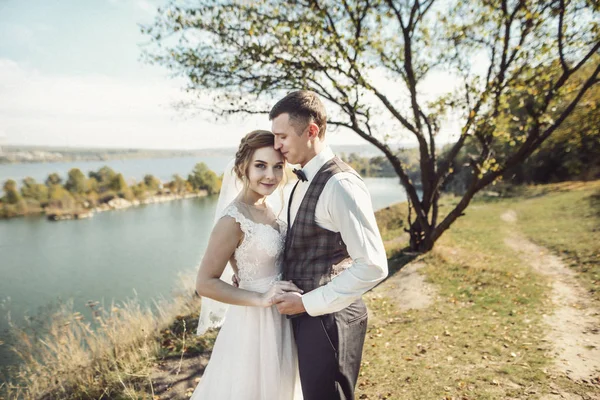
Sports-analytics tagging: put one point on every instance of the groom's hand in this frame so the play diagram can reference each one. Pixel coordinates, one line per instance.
(289, 303)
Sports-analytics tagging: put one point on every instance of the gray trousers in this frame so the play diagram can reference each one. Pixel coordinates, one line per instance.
(329, 352)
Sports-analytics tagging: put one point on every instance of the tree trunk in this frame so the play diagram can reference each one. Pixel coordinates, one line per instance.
(420, 240)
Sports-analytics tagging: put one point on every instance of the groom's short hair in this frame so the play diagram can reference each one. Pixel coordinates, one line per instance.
(303, 107)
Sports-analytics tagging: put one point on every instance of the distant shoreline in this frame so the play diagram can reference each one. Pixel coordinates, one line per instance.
(32, 155)
(117, 204)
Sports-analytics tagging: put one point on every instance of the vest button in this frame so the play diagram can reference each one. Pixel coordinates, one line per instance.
(340, 242)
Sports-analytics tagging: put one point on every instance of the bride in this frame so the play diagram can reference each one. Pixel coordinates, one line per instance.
(254, 356)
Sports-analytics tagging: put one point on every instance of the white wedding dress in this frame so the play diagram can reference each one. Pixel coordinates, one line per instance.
(254, 356)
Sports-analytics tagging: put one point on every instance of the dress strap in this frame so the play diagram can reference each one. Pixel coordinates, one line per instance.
(245, 224)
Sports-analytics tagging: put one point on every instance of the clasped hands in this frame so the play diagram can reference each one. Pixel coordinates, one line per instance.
(285, 295)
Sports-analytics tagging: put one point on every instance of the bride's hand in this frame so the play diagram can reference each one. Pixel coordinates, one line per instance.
(277, 288)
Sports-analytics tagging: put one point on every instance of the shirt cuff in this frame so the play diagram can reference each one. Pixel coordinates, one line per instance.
(313, 303)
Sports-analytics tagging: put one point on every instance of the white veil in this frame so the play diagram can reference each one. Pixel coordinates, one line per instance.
(212, 312)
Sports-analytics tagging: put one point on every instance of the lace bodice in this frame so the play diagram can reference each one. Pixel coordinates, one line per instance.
(259, 254)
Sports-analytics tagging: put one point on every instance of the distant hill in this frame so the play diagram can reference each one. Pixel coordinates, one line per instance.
(31, 154)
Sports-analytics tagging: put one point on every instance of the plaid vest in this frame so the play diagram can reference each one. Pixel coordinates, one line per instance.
(314, 255)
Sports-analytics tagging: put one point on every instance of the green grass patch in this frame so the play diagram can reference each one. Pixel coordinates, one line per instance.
(392, 221)
(484, 335)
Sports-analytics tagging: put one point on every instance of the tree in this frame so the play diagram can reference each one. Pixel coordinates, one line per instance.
(33, 190)
(247, 53)
(119, 185)
(152, 183)
(59, 197)
(11, 194)
(140, 190)
(573, 151)
(378, 166)
(53, 179)
(92, 185)
(178, 185)
(76, 181)
(104, 176)
(203, 178)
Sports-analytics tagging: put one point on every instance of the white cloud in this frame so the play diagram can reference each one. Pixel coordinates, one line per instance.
(146, 6)
(14, 36)
(96, 110)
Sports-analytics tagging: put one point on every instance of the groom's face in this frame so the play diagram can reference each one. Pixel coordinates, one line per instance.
(293, 146)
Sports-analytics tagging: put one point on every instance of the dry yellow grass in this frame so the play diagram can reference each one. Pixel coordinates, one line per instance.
(108, 357)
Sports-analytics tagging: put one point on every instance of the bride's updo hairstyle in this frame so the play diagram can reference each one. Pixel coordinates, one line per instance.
(250, 143)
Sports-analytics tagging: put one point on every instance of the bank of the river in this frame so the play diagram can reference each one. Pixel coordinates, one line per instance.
(117, 204)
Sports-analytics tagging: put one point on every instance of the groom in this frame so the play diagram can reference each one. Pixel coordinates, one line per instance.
(333, 251)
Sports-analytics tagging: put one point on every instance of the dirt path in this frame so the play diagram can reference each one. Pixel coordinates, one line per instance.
(574, 327)
(408, 288)
(176, 379)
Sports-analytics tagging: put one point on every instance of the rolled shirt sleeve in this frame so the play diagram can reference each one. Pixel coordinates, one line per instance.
(345, 207)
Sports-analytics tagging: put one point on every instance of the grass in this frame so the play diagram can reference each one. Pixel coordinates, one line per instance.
(481, 338)
(110, 356)
(392, 221)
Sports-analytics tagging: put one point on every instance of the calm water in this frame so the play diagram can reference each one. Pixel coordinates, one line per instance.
(105, 257)
(117, 253)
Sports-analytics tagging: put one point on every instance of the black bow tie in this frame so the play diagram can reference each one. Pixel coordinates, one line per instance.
(300, 174)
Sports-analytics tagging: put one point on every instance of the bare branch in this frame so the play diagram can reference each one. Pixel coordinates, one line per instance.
(561, 18)
(397, 13)
(591, 81)
(398, 167)
(566, 75)
(584, 59)
(261, 49)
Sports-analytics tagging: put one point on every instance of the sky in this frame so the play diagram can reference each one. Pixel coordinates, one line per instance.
(71, 75)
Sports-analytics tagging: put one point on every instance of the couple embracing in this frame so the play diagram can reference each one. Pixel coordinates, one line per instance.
(296, 323)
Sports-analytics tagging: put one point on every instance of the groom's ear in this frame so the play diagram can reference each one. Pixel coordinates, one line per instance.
(313, 131)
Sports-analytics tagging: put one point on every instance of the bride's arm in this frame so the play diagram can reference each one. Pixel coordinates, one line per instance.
(223, 241)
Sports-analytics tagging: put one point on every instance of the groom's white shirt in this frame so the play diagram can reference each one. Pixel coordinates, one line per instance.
(345, 207)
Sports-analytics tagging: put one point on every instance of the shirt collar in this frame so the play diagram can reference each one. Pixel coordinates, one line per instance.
(314, 165)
